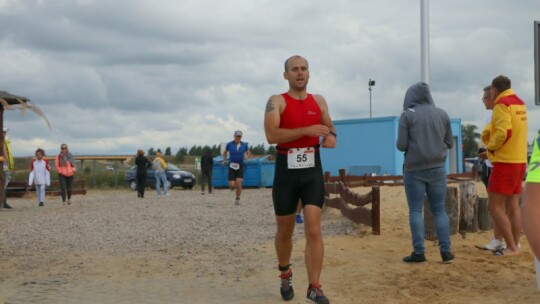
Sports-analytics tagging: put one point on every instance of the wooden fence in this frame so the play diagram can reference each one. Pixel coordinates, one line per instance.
(468, 219)
(359, 214)
(21, 188)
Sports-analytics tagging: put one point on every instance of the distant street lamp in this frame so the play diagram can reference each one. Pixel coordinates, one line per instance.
(370, 84)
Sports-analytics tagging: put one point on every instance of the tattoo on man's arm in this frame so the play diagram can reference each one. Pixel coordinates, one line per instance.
(270, 105)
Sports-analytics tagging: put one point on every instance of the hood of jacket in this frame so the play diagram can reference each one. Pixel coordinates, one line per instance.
(417, 94)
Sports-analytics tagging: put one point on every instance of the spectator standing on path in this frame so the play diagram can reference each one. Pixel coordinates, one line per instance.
(497, 242)
(296, 121)
(40, 175)
(160, 166)
(506, 145)
(207, 165)
(9, 165)
(65, 165)
(425, 135)
(143, 164)
(238, 152)
(531, 204)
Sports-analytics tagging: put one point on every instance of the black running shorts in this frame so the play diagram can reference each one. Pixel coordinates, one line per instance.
(234, 174)
(291, 185)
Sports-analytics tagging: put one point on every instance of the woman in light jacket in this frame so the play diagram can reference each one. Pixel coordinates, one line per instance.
(65, 165)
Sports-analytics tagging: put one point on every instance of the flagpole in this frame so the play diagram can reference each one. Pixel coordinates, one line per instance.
(424, 43)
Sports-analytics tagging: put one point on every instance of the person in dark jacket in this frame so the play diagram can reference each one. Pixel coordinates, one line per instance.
(142, 165)
(207, 164)
(425, 135)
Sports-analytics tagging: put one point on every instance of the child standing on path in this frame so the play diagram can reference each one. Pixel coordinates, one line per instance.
(40, 175)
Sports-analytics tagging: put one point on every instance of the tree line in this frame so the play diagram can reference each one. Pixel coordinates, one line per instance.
(195, 150)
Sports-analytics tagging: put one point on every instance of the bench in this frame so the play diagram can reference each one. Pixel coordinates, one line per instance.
(17, 189)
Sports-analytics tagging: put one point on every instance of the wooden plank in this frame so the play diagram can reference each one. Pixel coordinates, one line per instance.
(359, 215)
(332, 202)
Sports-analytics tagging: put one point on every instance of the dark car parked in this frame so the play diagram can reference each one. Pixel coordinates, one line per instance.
(175, 176)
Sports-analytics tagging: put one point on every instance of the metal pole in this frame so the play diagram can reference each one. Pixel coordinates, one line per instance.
(424, 47)
(370, 100)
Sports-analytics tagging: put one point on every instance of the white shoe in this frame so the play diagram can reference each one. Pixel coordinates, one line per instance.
(495, 244)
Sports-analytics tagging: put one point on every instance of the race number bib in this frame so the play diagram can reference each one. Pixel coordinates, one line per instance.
(234, 166)
(300, 158)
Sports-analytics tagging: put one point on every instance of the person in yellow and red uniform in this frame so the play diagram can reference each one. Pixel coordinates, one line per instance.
(506, 145)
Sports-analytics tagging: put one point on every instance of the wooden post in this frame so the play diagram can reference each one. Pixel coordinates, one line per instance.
(376, 210)
(468, 221)
(484, 217)
(343, 177)
(451, 207)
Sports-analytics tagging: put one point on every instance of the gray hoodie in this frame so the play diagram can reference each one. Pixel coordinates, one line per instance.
(424, 131)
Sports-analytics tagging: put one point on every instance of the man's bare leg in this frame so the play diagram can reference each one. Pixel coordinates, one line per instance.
(283, 240)
(514, 214)
(497, 208)
(314, 243)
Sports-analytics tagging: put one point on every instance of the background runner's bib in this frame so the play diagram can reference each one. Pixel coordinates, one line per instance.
(300, 158)
(234, 166)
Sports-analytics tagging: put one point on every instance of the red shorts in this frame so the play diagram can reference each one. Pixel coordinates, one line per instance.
(506, 178)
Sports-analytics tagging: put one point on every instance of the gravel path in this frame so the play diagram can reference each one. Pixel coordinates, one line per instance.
(117, 222)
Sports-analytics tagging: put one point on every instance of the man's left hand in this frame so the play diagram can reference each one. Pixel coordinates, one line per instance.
(329, 141)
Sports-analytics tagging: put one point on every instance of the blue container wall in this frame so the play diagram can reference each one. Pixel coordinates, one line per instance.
(363, 144)
(258, 172)
(369, 146)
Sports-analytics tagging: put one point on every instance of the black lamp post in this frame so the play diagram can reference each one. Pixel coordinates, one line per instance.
(371, 83)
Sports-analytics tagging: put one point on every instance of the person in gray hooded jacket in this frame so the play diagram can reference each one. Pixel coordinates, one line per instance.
(425, 135)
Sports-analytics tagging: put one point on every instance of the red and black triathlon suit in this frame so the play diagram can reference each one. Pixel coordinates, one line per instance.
(306, 184)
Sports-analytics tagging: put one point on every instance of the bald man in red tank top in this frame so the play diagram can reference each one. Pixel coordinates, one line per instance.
(299, 123)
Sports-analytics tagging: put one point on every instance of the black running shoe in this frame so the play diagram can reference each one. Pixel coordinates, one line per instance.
(316, 295)
(415, 258)
(6, 206)
(286, 289)
(447, 257)
(41, 204)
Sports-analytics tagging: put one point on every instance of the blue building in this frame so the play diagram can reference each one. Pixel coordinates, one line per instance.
(368, 146)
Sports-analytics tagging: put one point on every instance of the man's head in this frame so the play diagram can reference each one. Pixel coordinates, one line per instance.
(140, 152)
(158, 154)
(487, 98)
(237, 135)
(500, 84)
(297, 72)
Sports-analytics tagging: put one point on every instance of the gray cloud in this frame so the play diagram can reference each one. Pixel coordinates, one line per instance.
(114, 76)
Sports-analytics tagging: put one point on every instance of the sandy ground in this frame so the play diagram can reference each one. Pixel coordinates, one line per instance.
(359, 267)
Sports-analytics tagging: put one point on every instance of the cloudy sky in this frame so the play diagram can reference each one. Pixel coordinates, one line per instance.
(117, 75)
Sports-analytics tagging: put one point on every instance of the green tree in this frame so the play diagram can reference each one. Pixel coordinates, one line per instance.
(179, 157)
(272, 150)
(168, 151)
(469, 138)
(151, 151)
